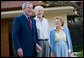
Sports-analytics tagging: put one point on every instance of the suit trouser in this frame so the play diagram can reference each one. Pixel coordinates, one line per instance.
(45, 49)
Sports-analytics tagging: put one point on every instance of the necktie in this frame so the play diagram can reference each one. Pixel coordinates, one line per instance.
(30, 23)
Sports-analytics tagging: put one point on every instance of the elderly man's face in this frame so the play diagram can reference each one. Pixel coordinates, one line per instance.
(28, 9)
(39, 12)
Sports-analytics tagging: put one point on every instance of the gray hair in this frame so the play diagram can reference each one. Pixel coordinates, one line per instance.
(24, 4)
(36, 7)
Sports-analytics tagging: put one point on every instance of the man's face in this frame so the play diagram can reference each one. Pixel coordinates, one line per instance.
(39, 12)
(28, 9)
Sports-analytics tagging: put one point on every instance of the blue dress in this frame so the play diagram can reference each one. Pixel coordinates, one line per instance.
(60, 48)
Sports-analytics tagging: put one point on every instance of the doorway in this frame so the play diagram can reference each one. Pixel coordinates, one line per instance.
(11, 46)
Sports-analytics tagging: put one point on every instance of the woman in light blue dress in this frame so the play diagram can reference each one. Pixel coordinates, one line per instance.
(60, 40)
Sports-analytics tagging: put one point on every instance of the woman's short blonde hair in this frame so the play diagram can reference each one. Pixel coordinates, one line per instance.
(60, 18)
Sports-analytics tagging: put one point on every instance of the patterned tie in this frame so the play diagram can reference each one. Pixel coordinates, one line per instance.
(30, 23)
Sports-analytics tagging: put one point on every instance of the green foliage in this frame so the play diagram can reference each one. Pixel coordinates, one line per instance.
(65, 3)
(77, 48)
(80, 54)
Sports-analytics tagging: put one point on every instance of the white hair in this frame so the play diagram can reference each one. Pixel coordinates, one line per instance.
(24, 4)
(37, 7)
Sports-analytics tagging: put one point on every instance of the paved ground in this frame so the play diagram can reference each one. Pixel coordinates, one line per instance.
(74, 54)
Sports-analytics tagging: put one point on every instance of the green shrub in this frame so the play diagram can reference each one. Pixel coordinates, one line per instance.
(80, 54)
(77, 48)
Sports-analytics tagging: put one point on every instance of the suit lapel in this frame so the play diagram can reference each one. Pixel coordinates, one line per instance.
(28, 25)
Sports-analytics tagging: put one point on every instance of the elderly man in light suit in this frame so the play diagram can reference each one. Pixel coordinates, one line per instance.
(43, 32)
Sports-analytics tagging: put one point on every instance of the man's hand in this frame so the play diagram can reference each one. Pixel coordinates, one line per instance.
(20, 52)
(38, 49)
(49, 46)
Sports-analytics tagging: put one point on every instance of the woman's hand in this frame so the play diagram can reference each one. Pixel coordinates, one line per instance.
(69, 54)
(52, 55)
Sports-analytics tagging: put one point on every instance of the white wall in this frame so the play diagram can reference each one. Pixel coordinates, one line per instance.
(50, 18)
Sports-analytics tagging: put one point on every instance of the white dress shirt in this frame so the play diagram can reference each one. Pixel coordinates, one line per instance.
(42, 28)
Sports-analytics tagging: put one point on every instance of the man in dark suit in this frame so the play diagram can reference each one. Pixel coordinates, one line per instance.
(24, 33)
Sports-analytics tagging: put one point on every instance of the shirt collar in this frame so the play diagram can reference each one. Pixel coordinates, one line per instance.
(38, 18)
(26, 16)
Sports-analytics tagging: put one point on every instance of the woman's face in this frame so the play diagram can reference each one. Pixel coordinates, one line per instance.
(58, 22)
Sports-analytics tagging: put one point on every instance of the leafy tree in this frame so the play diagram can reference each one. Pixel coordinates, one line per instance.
(64, 3)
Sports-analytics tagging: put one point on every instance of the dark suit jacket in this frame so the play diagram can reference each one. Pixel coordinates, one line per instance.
(22, 35)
